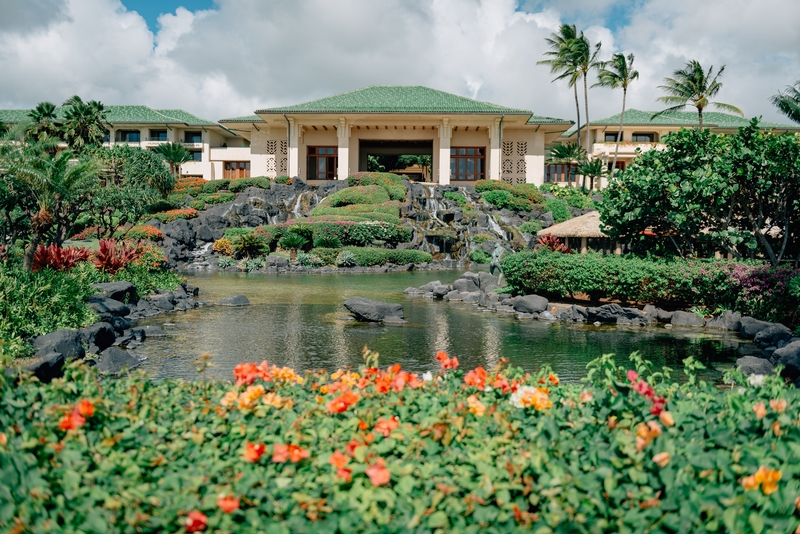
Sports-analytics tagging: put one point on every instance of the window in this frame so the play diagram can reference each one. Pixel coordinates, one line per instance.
(158, 135)
(467, 163)
(644, 138)
(197, 155)
(322, 162)
(559, 173)
(192, 137)
(128, 136)
(236, 169)
(620, 165)
(610, 137)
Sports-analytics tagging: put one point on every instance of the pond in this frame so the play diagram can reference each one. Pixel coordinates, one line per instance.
(299, 321)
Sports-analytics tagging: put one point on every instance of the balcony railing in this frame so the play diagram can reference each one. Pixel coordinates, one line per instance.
(161, 139)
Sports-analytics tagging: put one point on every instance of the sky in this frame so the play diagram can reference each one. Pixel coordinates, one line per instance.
(225, 58)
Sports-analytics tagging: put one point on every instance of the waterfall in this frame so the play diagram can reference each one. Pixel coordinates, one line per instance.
(296, 209)
(496, 227)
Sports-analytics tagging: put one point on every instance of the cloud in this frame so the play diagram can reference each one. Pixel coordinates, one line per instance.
(248, 54)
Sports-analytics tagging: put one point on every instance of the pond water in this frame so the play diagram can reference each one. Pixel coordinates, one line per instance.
(299, 321)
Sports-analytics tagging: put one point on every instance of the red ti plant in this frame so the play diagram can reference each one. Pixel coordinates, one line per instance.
(57, 258)
(113, 257)
(553, 244)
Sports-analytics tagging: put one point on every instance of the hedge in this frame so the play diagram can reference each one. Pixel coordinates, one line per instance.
(347, 232)
(368, 256)
(174, 215)
(369, 194)
(520, 197)
(240, 184)
(392, 183)
(385, 450)
(215, 185)
(386, 211)
(559, 208)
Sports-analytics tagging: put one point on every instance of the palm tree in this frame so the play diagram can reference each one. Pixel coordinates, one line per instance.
(569, 154)
(693, 86)
(175, 154)
(584, 57)
(84, 123)
(592, 169)
(788, 102)
(614, 74)
(562, 62)
(44, 124)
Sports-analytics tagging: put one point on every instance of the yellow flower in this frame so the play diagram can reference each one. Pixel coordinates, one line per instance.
(274, 400)
(475, 406)
(779, 405)
(760, 410)
(764, 477)
(662, 459)
(230, 397)
(250, 395)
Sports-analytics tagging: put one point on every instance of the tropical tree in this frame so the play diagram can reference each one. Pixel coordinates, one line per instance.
(84, 123)
(44, 123)
(175, 154)
(788, 101)
(693, 86)
(614, 74)
(562, 63)
(569, 154)
(595, 168)
(585, 58)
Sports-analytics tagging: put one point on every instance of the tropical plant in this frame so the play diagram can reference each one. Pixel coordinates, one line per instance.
(346, 258)
(788, 101)
(569, 154)
(84, 123)
(309, 260)
(327, 241)
(614, 74)
(225, 262)
(175, 154)
(595, 168)
(113, 256)
(59, 259)
(291, 242)
(694, 86)
(553, 244)
(480, 256)
(254, 264)
(249, 245)
(562, 63)
(223, 246)
(44, 122)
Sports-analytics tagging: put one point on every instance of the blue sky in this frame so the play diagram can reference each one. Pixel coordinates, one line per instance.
(151, 9)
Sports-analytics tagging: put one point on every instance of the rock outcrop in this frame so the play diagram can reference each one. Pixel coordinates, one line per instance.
(369, 310)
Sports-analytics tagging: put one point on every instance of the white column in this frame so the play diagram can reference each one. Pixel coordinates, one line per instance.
(343, 132)
(494, 150)
(445, 131)
(294, 148)
(534, 159)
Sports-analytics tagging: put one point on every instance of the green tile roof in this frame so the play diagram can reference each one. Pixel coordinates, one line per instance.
(187, 118)
(396, 99)
(245, 118)
(122, 115)
(711, 119)
(14, 116)
(536, 119)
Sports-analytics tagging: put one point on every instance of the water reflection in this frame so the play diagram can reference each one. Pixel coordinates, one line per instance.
(299, 321)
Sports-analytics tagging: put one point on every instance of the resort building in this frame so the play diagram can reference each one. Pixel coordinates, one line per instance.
(333, 137)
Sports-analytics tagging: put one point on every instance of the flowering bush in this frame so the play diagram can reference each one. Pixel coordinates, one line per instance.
(383, 449)
(148, 232)
(174, 215)
(189, 186)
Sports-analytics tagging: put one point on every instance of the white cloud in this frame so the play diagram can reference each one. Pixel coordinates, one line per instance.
(249, 54)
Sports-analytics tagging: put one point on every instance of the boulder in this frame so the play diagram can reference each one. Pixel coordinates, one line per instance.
(143, 332)
(547, 316)
(105, 306)
(114, 360)
(573, 313)
(440, 291)
(485, 280)
(789, 357)
(66, 342)
(181, 231)
(772, 336)
(162, 303)
(369, 310)
(119, 291)
(145, 309)
(750, 365)
(98, 337)
(453, 295)
(49, 367)
(750, 327)
(234, 300)
(684, 318)
(120, 324)
(205, 233)
(466, 285)
(472, 297)
(531, 304)
(429, 286)
(607, 313)
(729, 320)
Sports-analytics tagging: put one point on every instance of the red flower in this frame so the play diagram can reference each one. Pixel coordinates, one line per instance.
(450, 363)
(378, 474)
(292, 453)
(228, 504)
(196, 521)
(345, 474)
(338, 460)
(351, 447)
(476, 377)
(633, 376)
(385, 426)
(246, 373)
(72, 420)
(341, 403)
(253, 452)
(86, 408)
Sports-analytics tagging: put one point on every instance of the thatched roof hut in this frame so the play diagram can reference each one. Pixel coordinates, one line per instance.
(587, 225)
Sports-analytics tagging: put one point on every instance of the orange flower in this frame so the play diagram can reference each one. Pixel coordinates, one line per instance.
(341, 403)
(246, 373)
(445, 361)
(251, 395)
(666, 419)
(338, 460)
(196, 521)
(760, 410)
(586, 396)
(231, 397)
(3, 439)
(476, 377)
(385, 426)
(345, 474)
(292, 453)
(72, 420)
(776, 428)
(351, 447)
(779, 405)
(86, 408)
(646, 433)
(764, 477)
(378, 474)
(551, 378)
(228, 504)
(475, 406)
(662, 459)
(253, 452)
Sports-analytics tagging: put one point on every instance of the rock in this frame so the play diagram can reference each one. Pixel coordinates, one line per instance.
(531, 304)
(205, 233)
(120, 324)
(276, 261)
(684, 318)
(750, 327)
(465, 285)
(429, 286)
(191, 290)
(547, 316)
(440, 291)
(51, 366)
(66, 342)
(485, 280)
(663, 316)
(162, 303)
(789, 357)
(607, 313)
(453, 295)
(772, 336)
(144, 332)
(729, 320)
(119, 291)
(181, 231)
(750, 365)
(145, 309)
(105, 306)
(114, 360)
(573, 313)
(234, 300)
(370, 310)
(472, 297)
(98, 337)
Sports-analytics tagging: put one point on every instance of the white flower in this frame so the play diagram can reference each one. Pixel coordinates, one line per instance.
(756, 380)
(741, 391)
(487, 389)
(516, 397)
(427, 376)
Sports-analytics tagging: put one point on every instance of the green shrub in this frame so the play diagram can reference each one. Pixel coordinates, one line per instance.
(529, 191)
(249, 245)
(387, 211)
(559, 208)
(530, 227)
(215, 185)
(368, 256)
(216, 198)
(283, 180)
(368, 194)
(392, 183)
(358, 233)
(458, 198)
(240, 184)
(480, 256)
(197, 204)
(162, 205)
(482, 238)
(327, 241)
(271, 234)
(226, 261)
(346, 258)
(254, 264)
(232, 233)
(482, 186)
(309, 260)
(505, 199)
(292, 241)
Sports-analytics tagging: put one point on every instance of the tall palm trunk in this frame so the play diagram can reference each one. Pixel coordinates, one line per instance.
(700, 117)
(588, 129)
(578, 135)
(619, 134)
(27, 262)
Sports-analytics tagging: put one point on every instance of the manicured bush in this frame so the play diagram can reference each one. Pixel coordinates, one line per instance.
(162, 205)
(530, 227)
(249, 245)
(284, 180)
(189, 186)
(197, 204)
(576, 197)
(239, 185)
(529, 191)
(387, 211)
(392, 183)
(146, 232)
(480, 256)
(368, 194)
(505, 199)
(385, 450)
(559, 208)
(458, 198)
(368, 256)
(352, 233)
(223, 246)
(213, 186)
(174, 215)
(216, 198)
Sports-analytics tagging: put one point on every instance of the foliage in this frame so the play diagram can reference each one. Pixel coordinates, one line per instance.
(162, 205)
(383, 450)
(223, 246)
(458, 198)
(346, 232)
(283, 180)
(84, 123)
(580, 198)
(559, 208)
(114, 256)
(387, 211)
(58, 259)
(138, 233)
(368, 256)
(232, 233)
(327, 241)
(212, 186)
(368, 194)
(392, 183)
(346, 258)
(309, 260)
(553, 244)
(249, 245)
(239, 185)
(254, 264)
(226, 261)
(505, 199)
(481, 238)
(480, 256)
(570, 154)
(190, 186)
(174, 215)
(788, 102)
(530, 227)
(706, 192)
(614, 74)
(174, 154)
(292, 241)
(521, 197)
(592, 169)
